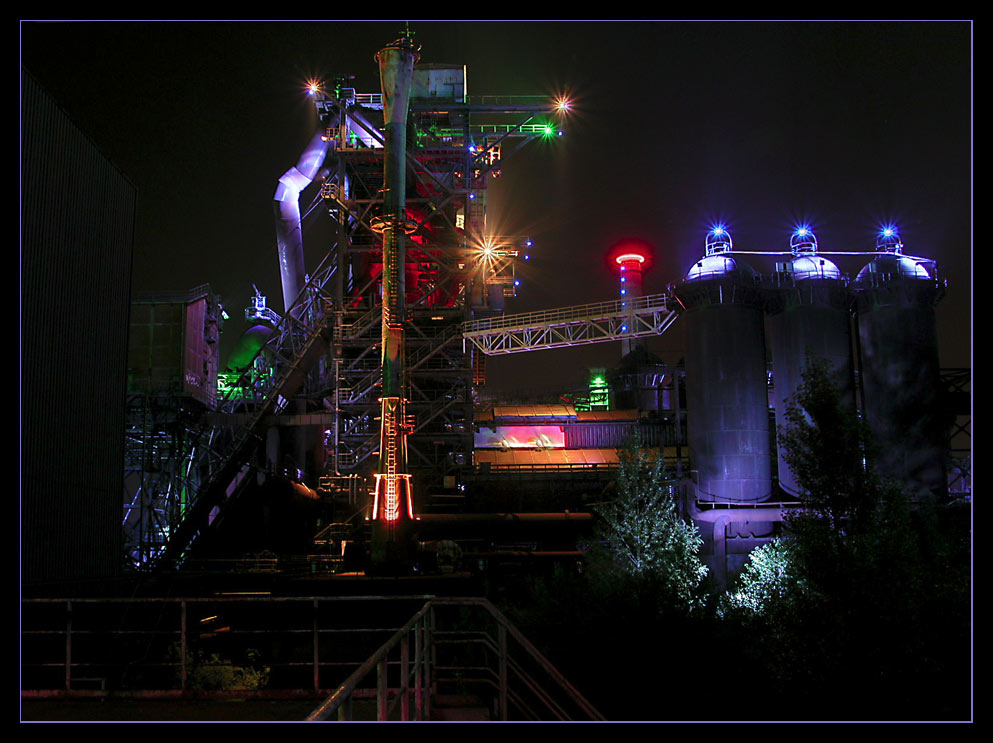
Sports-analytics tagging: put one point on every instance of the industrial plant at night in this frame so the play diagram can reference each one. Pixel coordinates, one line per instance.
(303, 492)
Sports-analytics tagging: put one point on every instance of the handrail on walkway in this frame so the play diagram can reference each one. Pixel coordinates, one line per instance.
(481, 662)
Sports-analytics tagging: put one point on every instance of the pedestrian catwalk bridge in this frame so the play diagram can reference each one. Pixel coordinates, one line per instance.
(572, 326)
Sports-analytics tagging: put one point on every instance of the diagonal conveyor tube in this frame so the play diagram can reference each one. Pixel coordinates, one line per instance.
(286, 204)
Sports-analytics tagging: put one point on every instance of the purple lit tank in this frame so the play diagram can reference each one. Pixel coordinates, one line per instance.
(896, 299)
(809, 319)
(726, 381)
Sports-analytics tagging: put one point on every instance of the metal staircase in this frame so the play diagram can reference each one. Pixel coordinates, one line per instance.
(293, 353)
(456, 659)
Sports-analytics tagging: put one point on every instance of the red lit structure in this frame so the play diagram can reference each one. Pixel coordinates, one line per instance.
(630, 259)
(414, 259)
(406, 178)
(392, 502)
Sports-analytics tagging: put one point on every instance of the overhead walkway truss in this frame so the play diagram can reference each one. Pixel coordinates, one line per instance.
(572, 326)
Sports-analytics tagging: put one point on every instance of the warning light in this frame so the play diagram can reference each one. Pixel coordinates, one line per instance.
(803, 240)
(889, 240)
(629, 257)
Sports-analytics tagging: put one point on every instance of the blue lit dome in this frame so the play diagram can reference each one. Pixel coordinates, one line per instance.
(814, 267)
(716, 266)
(894, 266)
(718, 262)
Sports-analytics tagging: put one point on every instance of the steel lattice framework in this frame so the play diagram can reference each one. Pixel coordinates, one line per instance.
(572, 326)
(455, 269)
(325, 351)
(218, 462)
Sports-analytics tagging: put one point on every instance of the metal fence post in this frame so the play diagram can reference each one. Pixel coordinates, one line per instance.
(68, 645)
(502, 649)
(405, 677)
(419, 669)
(429, 661)
(382, 690)
(182, 646)
(345, 710)
(317, 665)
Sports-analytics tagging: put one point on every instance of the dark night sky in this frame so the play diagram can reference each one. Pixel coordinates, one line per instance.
(676, 125)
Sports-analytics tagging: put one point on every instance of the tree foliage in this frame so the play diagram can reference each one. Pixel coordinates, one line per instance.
(646, 538)
(857, 598)
(830, 451)
(769, 579)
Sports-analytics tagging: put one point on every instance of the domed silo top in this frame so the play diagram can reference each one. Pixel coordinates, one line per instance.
(893, 264)
(718, 263)
(895, 267)
(814, 267)
(807, 264)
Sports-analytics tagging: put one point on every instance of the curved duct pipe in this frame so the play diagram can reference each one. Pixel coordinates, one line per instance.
(286, 204)
(365, 132)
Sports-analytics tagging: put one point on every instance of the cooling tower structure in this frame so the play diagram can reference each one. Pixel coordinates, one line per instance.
(810, 309)
(726, 380)
(896, 295)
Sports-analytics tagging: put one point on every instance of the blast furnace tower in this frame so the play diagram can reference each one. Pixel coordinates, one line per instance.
(365, 374)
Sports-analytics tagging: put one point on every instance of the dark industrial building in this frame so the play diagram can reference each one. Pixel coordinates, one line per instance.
(77, 233)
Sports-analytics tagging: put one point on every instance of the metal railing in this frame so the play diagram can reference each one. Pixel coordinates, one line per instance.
(250, 645)
(570, 326)
(574, 313)
(463, 648)
(268, 647)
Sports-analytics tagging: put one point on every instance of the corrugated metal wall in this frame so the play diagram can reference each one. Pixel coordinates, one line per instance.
(173, 349)
(77, 235)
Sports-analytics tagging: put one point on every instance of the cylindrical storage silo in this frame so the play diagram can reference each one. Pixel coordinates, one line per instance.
(809, 319)
(726, 381)
(896, 295)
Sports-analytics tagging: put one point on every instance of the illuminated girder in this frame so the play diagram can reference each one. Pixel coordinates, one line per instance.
(572, 326)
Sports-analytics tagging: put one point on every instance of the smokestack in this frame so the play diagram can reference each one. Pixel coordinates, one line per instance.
(392, 503)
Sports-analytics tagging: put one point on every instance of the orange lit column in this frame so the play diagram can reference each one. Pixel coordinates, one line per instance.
(392, 500)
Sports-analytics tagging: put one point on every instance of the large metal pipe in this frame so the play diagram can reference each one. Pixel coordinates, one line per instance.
(564, 527)
(286, 205)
